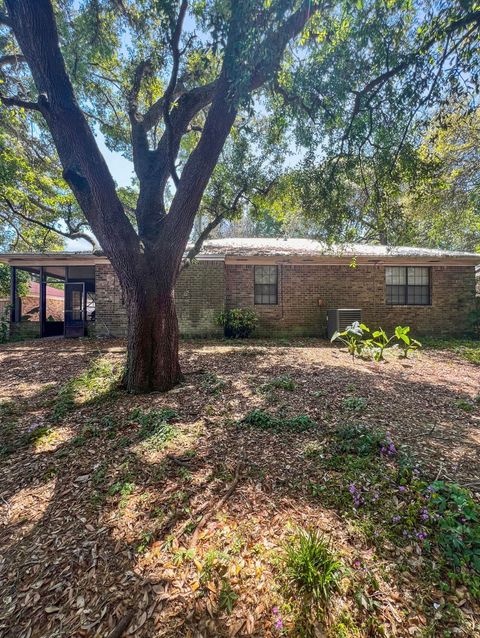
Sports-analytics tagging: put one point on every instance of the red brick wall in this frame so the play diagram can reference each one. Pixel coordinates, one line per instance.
(199, 297)
(301, 287)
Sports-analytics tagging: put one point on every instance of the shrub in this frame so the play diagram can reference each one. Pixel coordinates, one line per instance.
(4, 325)
(238, 323)
(312, 570)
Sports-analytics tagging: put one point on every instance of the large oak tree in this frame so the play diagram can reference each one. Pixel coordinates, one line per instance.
(166, 80)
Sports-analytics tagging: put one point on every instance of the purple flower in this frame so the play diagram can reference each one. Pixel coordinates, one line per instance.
(424, 515)
(357, 564)
(279, 623)
(352, 488)
(275, 610)
(421, 536)
(396, 519)
(402, 488)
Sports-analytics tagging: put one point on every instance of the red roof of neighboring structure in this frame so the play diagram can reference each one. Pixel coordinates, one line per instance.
(51, 292)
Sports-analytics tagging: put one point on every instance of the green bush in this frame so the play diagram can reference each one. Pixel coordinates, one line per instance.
(238, 323)
(312, 570)
(4, 325)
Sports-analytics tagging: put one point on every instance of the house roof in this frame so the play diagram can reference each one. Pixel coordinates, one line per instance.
(34, 290)
(266, 247)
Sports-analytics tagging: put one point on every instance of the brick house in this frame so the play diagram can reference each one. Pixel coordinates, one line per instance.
(292, 284)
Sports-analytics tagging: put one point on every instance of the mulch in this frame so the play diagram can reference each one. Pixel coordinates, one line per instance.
(80, 558)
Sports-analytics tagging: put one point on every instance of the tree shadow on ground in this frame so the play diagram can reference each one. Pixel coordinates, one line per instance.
(92, 517)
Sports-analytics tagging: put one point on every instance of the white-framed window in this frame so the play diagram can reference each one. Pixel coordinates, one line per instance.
(266, 285)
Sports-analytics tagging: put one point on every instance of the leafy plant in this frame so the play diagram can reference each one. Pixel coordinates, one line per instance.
(267, 421)
(312, 570)
(379, 342)
(355, 404)
(456, 516)
(361, 440)
(4, 325)
(405, 342)
(352, 337)
(238, 323)
(280, 383)
(227, 596)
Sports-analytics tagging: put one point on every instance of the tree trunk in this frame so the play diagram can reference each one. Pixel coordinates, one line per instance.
(152, 347)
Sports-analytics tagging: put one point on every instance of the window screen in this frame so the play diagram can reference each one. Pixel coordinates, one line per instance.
(266, 285)
(408, 285)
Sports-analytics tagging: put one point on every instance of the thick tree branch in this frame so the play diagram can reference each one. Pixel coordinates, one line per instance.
(197, 246)
(174, 44)
(71, 233)
(84, 167)
(17, 101)
(12, 59)
(5, 20)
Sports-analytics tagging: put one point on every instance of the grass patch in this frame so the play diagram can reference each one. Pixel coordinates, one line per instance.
(311, 572)
(94, 384)
(283, 382)
(354, 404)
(212, 384)
(156, 429)
(468, 349)
(267, 421)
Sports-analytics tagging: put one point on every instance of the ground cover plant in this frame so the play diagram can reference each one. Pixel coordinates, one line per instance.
(338, 509)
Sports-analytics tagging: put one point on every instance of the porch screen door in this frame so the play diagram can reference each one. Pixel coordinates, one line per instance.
(74, 309)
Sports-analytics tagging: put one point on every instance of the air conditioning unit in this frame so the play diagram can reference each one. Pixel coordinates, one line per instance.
(341, 318)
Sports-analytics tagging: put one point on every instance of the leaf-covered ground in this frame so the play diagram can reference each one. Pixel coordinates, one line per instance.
(169, 514)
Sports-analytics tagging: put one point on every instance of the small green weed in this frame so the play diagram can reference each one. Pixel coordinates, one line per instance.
(361, 440)
(462, 404)
(227, 596)
(267, 421)
(94, 384)
(312, 571)
(279, 383)
(354, 404)
(155, 426)
(212, 384)
(145, 542)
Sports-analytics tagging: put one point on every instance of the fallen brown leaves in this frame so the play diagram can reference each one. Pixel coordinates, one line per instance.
(102, 536)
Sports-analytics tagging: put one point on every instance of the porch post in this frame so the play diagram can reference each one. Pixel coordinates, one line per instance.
(43, 302)
(14, 305)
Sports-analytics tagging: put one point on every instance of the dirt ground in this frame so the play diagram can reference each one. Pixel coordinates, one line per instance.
(96, 527)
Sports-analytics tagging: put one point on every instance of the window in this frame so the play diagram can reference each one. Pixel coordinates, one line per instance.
(266, 285)
(408, 286)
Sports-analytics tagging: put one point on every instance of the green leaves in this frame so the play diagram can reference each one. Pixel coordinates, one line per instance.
(357, 341)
